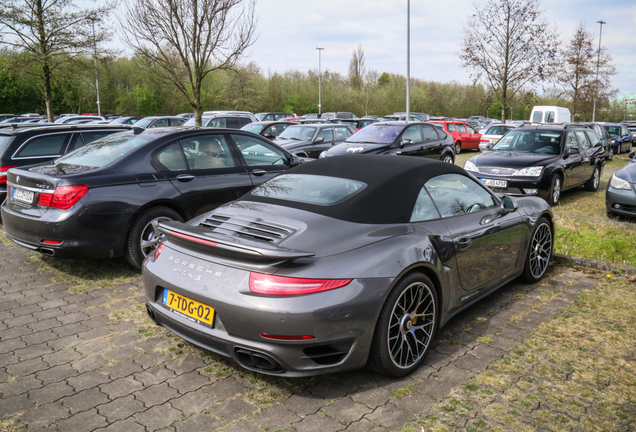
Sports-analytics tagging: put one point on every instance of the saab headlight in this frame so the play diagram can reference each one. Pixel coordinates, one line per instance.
(529, 172)
(469, 166)
(618, 183)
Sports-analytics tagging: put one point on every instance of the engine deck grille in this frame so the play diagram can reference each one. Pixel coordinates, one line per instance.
(256, 229)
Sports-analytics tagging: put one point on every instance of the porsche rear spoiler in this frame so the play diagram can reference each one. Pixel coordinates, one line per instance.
(219, 244)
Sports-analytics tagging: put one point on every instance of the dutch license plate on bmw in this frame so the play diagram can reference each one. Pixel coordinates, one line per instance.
(495, 183)
(188, 308)
(22, 196)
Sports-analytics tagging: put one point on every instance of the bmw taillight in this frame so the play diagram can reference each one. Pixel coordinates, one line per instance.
(3, 173)
(281, 285)
(63, 197)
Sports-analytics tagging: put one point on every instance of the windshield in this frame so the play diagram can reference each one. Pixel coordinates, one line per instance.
(302, 133)
(613, 130)
(145, 122)
(256, 128)
(498, 130)
(105, 150)
(534, 141)
(310, 189)
(379, 134)
(192, 122)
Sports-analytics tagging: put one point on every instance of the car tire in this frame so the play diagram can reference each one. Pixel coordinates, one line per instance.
(448, 158)
(458, 147)
(539, 252)
(610, 153)
(554, 193)
(143, 236)
(406, 327)
(592, 184)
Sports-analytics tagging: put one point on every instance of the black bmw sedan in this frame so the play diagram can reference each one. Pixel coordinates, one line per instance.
(399, 138)
(338, 263)
(106, 198)
(541, 161)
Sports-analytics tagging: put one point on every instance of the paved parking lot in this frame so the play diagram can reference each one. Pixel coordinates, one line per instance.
(93, 361)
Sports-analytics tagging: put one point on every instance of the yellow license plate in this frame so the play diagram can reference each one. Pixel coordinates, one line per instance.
(188, 308)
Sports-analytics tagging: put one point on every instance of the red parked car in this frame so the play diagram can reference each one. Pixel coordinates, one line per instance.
(465, 136)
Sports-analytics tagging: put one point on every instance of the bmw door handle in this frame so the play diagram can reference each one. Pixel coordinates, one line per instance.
(185, 177)
(464, 242)
(258, 172)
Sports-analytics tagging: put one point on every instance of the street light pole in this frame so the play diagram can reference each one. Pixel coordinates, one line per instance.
(319, 82)
(99, 109)
(408, 60)
(598, 63)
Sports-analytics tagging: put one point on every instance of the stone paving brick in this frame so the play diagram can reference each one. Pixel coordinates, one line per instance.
(122, 353)
(345, 410)
(188, 382)
(121, 387)
(152, 344)
(156, 395)
(87, 380)
(61, 357)
(51, 393)
(83, 422)
(15, 404)
(92, 347)
(45, 415)
(128, 425)
(185, 364)
(373, 397)
(90, 363)
(390, 416)
(226, 388)
(193, 402)
(434, 388)
(318, 422)
(232, 410)
(331, 389)
(33, 351)
(154, 375)
(7, 359)
(122, 369)
(364, 425)
(243, 426)
(198, 423)
(18, 321)
(27, 367)
(8, 346)
(158, 417)
(85, 400)
(151, 359)
(65, 342)
(93, 334)
(121, 408)
(275, 418)
(19, 385)
(304, 403)
(16, 332)
(56, 373)
(454, 374)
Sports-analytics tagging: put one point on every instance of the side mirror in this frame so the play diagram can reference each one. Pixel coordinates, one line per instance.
(632, 154)
(268, 135)
(319, 140)
(405, 142)
(508, 205)
(489, 146)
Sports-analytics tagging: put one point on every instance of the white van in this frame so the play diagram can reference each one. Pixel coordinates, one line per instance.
(550, 114)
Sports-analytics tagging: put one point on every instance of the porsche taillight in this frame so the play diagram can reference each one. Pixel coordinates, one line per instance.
(282, 285)
(63, 197)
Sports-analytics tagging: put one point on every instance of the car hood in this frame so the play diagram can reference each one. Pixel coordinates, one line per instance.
(628, 172)
(351, 148)
(512, 159)
(290, 143)
(260, 234)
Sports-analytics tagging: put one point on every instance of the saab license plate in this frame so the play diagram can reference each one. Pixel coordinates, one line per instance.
(22, 196)
(188, 308)
(495, 183)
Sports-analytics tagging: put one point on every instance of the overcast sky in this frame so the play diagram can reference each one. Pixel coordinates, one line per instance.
(290, 30)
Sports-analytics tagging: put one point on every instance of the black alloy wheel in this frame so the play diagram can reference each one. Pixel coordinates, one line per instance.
(406, 327)
(539, 252)
(592, 184)
(554, 193)
(144, 234)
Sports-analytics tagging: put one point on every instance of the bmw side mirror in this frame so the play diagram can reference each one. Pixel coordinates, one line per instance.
(319, 140)
(508, 205)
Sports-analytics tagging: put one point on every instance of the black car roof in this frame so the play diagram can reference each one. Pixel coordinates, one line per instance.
(60, 128)
(393, 185)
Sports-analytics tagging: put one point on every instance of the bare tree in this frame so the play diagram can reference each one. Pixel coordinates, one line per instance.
(577, 71)
(50, 32)
(510, 44)
(184, 40)
(357, 69)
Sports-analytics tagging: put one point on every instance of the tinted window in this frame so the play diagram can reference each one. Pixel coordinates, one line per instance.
(244, 121)
(304, 133)
(171, 159)
(455, 195)
(413, 133)
(207, 151)
(424, 208)
(217, 122)
(583, 142)
(311, 189)
(613, 130)
(233, 122)
(571, 142)
(327, 135)
(429, 133)
(594, 139)
(530, 141)
(48, 145)
(160, 123)
(4, 142)
(381, 134)
(342, 133)
(257, 152)
(105, 151)
(549, 116)
(537, 117)
(497, 130)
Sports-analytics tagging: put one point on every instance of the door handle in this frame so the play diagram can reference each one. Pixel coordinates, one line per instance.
(258, 172)
(185, 177)
(464, 242)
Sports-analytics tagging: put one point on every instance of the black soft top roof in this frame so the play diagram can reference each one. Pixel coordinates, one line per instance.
(393, 184)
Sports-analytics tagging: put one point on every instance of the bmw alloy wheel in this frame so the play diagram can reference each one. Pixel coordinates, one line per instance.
(411, 325)
(151, 235)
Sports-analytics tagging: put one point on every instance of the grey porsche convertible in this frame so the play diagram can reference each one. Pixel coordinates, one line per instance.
(343, 262)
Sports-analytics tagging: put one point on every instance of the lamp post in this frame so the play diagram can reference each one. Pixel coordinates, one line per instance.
(408, 60)
(99, 109)
(598, 63)
(319, 82)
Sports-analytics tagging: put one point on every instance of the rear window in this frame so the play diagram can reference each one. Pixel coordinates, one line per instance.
(105, 150)
(44, 146)
(4, 142)
(310, 189)
(380, 134)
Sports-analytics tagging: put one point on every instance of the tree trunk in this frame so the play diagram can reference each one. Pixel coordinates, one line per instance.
(48, 97)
